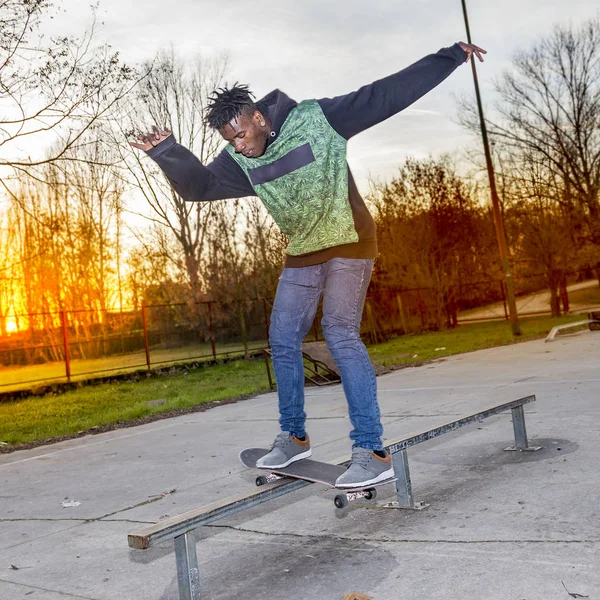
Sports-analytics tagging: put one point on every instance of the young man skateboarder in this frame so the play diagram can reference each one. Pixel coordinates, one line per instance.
(293, 157)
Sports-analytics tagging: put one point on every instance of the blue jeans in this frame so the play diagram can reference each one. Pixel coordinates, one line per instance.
(343, 284)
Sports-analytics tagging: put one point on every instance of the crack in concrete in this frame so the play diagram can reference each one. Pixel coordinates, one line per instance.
(144, 503)
(36, 587)
(342, 538)
(82, 520)
(34, 519)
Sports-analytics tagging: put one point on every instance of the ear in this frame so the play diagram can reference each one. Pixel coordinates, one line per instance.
(259, 118)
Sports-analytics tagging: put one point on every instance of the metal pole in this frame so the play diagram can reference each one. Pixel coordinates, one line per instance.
(500, 234)
(264, 300)
(518, 419)
(371, 321)
(452, 306)
(212, 330)
(421, 309)
(503, 299)
(63, 318)
(402, 314)
(404, 494)
(188, 575)
(146, 344)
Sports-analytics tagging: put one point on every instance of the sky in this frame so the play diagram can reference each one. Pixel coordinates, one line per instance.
(321, 48)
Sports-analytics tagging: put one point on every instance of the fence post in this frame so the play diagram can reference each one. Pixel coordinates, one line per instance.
(243, 329)
(63, 319)
(264, 300)
(402, 313)
(421, 309)
(564, 294)
(371, 320)
(211, 330)
(503, 299)
(146, 345)
(452, 306)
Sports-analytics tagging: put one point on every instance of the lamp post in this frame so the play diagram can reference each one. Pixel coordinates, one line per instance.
(500, 234)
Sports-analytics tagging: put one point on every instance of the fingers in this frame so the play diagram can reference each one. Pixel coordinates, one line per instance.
(478, 52)
(150, 139)
(471, 49)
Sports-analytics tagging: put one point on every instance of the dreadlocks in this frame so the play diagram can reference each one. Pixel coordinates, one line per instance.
(225, 105)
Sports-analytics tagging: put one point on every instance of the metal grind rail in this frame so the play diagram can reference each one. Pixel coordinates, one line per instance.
(181, 528)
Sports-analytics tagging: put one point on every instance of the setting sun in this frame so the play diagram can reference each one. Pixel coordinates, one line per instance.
(11, 326)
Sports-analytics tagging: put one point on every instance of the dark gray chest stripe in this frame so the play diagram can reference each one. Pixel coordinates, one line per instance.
(292, 161)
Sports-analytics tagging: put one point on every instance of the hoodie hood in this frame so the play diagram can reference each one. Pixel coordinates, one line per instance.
(276, 106)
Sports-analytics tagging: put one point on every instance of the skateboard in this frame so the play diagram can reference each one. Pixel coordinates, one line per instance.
(313, 471)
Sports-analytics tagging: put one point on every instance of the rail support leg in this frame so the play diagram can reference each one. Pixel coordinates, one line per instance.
(521, 443)
(187, 567)
(404, 492)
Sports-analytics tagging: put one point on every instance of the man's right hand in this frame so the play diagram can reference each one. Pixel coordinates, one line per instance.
(149, 140)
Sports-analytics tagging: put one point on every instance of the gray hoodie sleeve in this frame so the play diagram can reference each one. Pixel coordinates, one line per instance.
(222, 178)
(371, 104)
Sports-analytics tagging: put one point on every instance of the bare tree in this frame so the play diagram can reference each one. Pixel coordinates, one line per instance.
(548, 114)
(541, 225)
(174, 96)
(65, 85)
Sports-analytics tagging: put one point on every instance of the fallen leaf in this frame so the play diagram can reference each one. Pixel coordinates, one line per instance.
(14, 568)
(357, 596)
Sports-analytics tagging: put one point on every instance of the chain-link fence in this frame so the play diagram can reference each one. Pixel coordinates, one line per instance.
(73, 345)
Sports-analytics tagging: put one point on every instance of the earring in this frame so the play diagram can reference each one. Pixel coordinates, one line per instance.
(262, 123)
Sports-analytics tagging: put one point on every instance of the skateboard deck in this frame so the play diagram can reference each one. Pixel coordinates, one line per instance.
(308, 470)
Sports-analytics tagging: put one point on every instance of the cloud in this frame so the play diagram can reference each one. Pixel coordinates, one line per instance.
(313, 49)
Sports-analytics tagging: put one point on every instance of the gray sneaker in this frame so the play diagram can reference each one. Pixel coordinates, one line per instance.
(366, 468)
(286, 449)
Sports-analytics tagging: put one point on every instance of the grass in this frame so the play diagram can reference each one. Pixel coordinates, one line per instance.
(42, 418)
(14, 378)
(466, 338)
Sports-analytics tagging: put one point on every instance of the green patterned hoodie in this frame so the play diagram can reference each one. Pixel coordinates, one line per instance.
(302, 178)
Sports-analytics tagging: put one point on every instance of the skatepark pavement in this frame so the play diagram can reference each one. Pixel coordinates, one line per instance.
(501, 525)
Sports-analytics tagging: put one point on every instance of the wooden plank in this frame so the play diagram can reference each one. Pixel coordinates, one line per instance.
(203, 515)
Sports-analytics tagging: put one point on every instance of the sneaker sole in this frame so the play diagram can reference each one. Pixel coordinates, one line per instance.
(289, 462)
(389, 474)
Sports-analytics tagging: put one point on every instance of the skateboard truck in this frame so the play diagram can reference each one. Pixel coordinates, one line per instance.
(340, 501)
(270, 478)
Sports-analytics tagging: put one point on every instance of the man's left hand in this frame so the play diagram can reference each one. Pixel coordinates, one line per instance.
(471, 49)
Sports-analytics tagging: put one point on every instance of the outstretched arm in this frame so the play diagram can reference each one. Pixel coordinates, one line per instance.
(222, 178)
(371, 104)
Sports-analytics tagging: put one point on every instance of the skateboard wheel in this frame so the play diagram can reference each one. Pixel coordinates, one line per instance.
(261, 480)
(371, 494)
(341, 501)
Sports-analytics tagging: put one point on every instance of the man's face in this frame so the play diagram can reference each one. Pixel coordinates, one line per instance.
(247, 134)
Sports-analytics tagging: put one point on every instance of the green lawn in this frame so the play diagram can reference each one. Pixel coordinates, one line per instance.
(41, 418)
(465, 338)
(16, 378)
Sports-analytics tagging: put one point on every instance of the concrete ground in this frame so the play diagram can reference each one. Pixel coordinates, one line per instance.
(501, 526)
